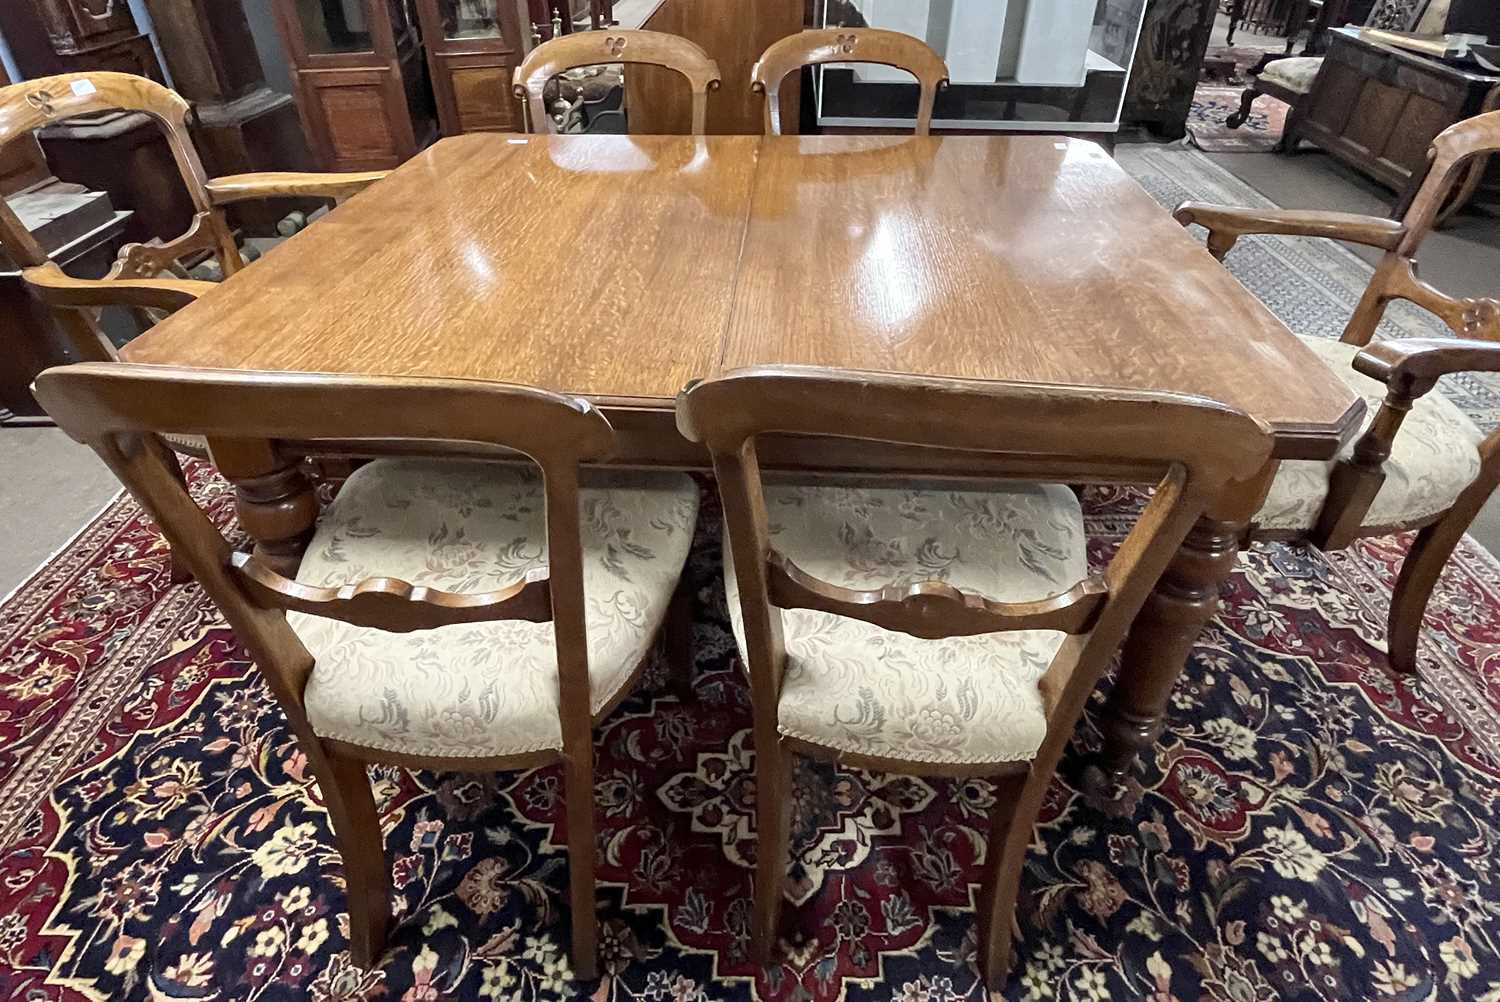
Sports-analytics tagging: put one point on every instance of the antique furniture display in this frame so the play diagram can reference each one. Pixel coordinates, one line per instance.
(1419, 463)
(361, 83)
(372, 650)
(819, 47)
(473, 47)
(239, 123)
(134, 278)
(824, 250)
(1054, 66)
(657, 101)
(115, 152)
(852, 660)
(595, 48)
(1378, 109)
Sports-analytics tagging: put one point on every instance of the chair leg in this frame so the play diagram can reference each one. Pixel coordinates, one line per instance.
(582, 849)
(1018, 799)
(180, 572)
(678, 641)
(1420, 571)
(356, 829)
(773, 834)
(1247, 102)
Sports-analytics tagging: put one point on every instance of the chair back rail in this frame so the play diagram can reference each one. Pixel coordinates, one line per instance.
(848, 45)
(1195, 445)
(120, 410)
(32, 104)
(595, 48)
(1449, 162)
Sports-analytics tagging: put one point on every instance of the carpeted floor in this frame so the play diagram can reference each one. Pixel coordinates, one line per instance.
(1308, 828)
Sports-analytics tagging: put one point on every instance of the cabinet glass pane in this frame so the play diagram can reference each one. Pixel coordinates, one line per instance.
(400, 17)
(335, 25)
(469, 18)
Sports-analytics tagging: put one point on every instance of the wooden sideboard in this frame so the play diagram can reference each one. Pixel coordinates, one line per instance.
(1377, 108)
(658, 98)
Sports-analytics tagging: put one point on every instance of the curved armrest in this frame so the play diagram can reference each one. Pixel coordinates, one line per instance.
(49, 283)
(1226, 224)
(243, 187)
(1414, 364)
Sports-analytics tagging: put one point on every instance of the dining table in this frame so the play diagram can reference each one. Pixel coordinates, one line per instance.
(620, 268)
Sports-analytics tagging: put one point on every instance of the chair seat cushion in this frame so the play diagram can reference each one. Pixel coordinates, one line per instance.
(482, 689)
(1435, 456)
(853, 687)
(1295, 73)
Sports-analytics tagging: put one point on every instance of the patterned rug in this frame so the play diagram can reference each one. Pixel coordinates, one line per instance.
(1308, 828)
(1212, 106)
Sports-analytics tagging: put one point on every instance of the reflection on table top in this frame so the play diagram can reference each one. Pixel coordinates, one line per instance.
(620, 267)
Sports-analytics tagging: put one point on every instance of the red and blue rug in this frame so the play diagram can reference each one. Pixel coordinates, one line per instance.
(1308, 828)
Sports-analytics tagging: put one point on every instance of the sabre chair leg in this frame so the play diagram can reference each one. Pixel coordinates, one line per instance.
(678, 641)
(579, 791)
(1420, 571)
(356, 828)
(180, 572)
(1018, 799)
(773, 831)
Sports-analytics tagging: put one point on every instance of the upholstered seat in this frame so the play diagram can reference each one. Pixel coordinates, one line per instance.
(853, 687)
(486, 689)
(1436, 455)
(1295, 73)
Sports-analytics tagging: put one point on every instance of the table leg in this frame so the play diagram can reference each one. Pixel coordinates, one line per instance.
(1155, 653)
(274, 499)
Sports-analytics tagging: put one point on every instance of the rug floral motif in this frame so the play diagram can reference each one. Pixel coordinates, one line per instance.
(1308, 828)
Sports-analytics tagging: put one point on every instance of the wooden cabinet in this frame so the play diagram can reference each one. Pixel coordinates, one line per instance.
(1378, 108)
(360, 79)
(240, 124)
(658, 99)
(65, 36)
(473, 46)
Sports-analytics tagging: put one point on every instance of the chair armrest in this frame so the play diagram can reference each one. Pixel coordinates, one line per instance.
(55, 288)
(243, 187)
(1415, 364)
(1226, 224)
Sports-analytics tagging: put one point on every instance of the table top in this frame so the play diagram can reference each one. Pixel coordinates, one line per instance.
(621, 267)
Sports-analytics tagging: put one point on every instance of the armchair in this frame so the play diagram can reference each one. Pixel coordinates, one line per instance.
(149, 279)
(1419, 462)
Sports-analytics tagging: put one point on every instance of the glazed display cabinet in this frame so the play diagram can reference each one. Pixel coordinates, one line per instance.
(472, 48)
(360, 79)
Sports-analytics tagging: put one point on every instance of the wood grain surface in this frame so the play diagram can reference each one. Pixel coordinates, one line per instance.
(620, 268)
(600, 265)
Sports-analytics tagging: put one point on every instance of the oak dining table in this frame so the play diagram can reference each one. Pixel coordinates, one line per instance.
(619, 268)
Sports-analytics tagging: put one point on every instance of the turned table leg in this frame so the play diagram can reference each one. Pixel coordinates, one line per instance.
(275, 500)
(1155, 653)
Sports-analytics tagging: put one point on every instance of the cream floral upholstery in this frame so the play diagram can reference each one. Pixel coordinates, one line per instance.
(484, 689)
(854, 687)
(1295, 73)
(1436, 455)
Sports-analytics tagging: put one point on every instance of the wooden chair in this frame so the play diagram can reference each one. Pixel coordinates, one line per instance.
(32, 104)
(849, 45)
(134, 281)
(949, 633)
(1437, 473)
(1290, 78)
(593, 48)
(415, 631)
